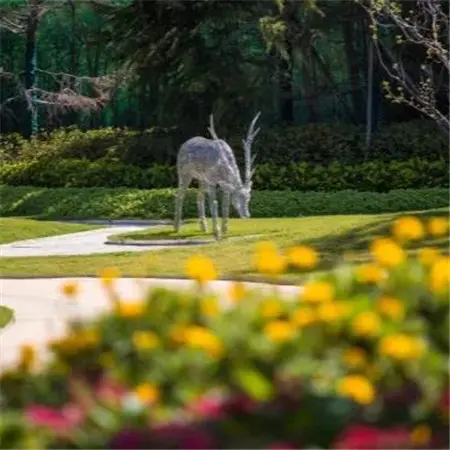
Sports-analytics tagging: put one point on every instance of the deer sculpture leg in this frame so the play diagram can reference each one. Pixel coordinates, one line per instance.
(201, 208)
(225, 211)
(214, 211)
(179, 199)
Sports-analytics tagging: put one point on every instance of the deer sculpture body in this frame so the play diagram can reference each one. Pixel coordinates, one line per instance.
(212, 163)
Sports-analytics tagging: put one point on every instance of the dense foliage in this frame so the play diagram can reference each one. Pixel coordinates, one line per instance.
(356, 358)
(104, 203)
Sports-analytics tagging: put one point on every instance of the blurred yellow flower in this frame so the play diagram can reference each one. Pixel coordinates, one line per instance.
(303, 257)
(440, 274)
(177, 334)
(270, 262)
(370, 273)
(147, 393)
(210, 307)
(200, 268)
(271, 308)
(70, 288)
(387, 252)
(130, 310)
(390, 307)
(108, 275)
(317, 292)
(355, 357)
(420, 436)
(266, 246)
(279, 330)
(330, 312)
(408, 228)
(358, 388)
(428, 255)
(27, 357)
(106, 360)
(402, 347)
(145, 340)
(199, 337)
(438, 226)
(304, 316)
(237, 292)
(366, 324)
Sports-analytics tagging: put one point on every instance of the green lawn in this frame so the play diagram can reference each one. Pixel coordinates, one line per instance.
(17, 229)
(6, 315)
(331, 235)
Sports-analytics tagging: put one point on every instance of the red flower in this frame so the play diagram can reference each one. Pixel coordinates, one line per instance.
(180, 435)
(362, 437)
(208, 407)
(238, 404)
(282, 446)
(109, 390)
(444, 404)
(61, 421)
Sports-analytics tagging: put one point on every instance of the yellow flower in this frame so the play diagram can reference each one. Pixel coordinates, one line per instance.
(147, 393)
(366, 324)
(279, 330)
(438, 226)
(303, 257)
(355, 357)
(108, 275)
(130, 310)
(428, 255)
(27, 357)
(106, 360)
(177, 334)
(200, 268)
(408, 228)
(210, 307)
(358, 388)
(266, 246)
(330, 312)
(70, 289)
(317, 292)
(387, 252)
(402, 347)
(440, 275)
(237, 292)
(270, 262)
(420, 436)
(391, 307)
(271, 308)
(370, 273)
(200, 337)
(304, 316)
(145, 340)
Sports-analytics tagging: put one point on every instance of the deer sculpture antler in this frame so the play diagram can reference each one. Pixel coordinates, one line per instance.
(247, 143)
(211, 128)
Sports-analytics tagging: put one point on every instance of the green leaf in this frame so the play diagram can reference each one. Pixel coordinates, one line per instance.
(254, 383)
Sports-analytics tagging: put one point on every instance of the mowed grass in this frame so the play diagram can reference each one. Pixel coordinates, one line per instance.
(333, 236)
(18, 229)
(6, 315)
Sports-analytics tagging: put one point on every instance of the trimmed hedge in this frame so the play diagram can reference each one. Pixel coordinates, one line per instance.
(318, 143)
(98, 203)
(377, 176)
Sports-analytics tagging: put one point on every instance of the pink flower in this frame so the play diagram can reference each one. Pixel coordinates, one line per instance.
(109, 390)
(208, 407)
(180, 435)
(61, 421)
(363, 437)
(238, 404)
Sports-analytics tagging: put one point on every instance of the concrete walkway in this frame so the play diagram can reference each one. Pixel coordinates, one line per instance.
(82, 243)
(42, 312)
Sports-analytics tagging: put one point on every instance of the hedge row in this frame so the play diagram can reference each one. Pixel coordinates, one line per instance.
(312, 143)
(370, 176)
(98, 203)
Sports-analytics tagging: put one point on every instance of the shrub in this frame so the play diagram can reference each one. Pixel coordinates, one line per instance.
(375, 176)
(357, 358)
(104, 203)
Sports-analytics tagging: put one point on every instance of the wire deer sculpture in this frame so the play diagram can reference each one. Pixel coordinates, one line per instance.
(212, 163)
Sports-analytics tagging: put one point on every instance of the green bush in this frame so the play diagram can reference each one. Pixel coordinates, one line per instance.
(318, 143)
(88, 203)
(374, 176)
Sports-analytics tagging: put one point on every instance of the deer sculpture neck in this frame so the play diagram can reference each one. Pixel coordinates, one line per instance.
(212, 163)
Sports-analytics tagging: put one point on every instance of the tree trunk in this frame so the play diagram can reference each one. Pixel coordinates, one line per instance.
(30, 76)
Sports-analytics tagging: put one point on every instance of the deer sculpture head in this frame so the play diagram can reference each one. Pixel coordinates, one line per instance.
(241, 194)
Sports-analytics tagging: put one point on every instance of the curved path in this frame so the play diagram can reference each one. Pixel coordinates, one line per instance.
(82, 243)
(42, 312)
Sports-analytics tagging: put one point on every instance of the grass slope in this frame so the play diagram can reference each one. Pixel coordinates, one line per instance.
(6, 315)
(17, 229)
(105, 203)
(333, 236)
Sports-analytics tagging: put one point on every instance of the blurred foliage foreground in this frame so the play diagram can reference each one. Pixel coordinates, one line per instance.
(356, 360)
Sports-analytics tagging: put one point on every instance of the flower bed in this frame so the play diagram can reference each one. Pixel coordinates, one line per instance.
(358, 359)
